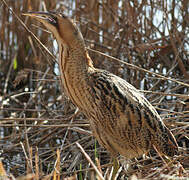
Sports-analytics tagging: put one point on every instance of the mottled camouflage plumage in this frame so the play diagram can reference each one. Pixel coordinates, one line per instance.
(121, 118)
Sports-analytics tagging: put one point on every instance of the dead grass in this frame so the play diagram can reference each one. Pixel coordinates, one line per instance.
(42, 135)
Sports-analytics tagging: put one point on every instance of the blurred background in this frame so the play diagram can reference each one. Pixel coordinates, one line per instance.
(36, 118)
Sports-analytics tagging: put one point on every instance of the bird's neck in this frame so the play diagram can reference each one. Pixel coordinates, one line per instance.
(75, 65)
(74, 58)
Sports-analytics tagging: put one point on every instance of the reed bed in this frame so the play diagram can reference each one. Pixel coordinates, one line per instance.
(42, 134)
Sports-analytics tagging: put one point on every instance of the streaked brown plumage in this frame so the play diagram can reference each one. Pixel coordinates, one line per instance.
(122, 119)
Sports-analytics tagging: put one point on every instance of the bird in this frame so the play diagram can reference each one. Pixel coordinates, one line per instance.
(122, 120)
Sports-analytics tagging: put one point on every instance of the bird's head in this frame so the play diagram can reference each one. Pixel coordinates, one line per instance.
(62, 27)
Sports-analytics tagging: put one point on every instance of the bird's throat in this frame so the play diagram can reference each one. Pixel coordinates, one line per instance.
(74, 65)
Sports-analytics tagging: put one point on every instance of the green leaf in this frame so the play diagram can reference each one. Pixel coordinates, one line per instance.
(80, 173)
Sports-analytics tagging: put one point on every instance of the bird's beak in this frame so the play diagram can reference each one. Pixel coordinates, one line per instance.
(43, 17)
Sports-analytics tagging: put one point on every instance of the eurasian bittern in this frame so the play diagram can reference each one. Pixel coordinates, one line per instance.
(121, 118)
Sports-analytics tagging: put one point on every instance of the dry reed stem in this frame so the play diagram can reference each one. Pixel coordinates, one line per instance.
(90, 161)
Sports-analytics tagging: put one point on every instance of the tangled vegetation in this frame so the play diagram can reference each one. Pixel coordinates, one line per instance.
(42, 134)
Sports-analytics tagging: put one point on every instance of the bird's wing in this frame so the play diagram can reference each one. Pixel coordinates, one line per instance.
(162, 137)
(131, 110)
(121, 98)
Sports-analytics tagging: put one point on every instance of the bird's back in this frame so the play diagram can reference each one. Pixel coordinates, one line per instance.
(123, 120)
